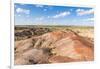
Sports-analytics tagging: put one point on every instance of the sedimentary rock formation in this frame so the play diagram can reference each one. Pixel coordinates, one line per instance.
(54, 47)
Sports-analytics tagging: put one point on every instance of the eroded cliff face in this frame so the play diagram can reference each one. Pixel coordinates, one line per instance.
(53, 47)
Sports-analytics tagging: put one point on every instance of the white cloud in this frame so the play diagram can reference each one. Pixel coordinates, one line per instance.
(81, 12)
(21, 10)
(89, 19)
(48, 16)
(45, 9)
(19, 15)
(27, 16)
(41, 6)
(39, 18)
(62, 14)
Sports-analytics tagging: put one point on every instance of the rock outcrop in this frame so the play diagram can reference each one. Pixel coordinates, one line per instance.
(54, 47)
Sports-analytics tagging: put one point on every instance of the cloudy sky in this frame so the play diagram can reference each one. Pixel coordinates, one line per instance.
(30, 14)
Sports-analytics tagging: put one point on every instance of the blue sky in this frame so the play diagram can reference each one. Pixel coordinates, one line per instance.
(35, 14)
